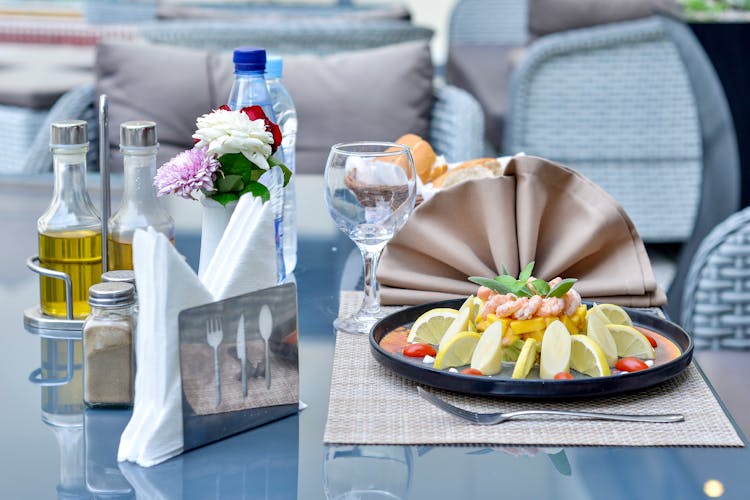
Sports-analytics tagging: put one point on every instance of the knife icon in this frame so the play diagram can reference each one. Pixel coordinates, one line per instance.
(242, 353)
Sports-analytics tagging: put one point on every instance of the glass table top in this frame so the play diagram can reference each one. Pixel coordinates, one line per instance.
(53, 448)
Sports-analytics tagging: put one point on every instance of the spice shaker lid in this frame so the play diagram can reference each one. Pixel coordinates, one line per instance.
(119, 276)
(111, 294)
(139, 133)
(68, 133)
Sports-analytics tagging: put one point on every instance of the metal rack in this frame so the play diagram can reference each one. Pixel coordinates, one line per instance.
(69, 329)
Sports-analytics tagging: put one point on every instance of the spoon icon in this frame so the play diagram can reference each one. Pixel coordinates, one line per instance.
(265, 324)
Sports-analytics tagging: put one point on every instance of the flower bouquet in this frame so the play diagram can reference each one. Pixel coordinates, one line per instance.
(232, 150)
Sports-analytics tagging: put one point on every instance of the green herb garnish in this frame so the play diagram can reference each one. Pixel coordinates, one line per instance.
(507, 283)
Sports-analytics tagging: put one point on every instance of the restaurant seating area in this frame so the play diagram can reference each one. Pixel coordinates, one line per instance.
(613, 110)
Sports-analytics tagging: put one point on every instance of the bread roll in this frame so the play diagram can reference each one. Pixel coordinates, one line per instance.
(472, 169)
(424, 157)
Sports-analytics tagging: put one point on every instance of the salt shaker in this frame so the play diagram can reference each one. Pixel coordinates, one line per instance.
(108, 346)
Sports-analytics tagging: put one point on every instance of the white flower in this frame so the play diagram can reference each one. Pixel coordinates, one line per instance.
(225, 132)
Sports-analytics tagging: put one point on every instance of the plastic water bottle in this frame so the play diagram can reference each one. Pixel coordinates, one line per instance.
(250, 89)
(286, 114)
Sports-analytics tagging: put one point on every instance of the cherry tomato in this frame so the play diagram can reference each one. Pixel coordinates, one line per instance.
(419, 350)
(630, 365)
(471, 371)
(650, 340)
(563, 376)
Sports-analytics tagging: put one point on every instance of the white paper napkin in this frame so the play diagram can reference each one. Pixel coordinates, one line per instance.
(244, 261)
(248, 249)
(166, 285)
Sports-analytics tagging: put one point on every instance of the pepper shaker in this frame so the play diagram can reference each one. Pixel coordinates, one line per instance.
(108, 346)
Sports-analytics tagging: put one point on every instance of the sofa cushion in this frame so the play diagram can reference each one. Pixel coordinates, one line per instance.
(374, 94)
(35, 76)
(468, 69)
(550, 16)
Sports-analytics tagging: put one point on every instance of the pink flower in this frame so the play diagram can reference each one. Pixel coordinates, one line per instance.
(186, 173)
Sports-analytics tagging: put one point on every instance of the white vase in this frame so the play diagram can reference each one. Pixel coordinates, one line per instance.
(215, 219)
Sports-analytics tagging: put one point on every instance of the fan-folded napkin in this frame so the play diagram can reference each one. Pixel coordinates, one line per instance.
(244, 261)
(537, 211)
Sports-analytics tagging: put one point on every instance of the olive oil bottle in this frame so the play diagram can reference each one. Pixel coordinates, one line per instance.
(140, 207)
(70, 229)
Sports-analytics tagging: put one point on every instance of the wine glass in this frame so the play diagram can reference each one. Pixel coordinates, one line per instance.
(370, 189)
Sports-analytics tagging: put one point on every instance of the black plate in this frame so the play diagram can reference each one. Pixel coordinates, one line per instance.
(584, 387)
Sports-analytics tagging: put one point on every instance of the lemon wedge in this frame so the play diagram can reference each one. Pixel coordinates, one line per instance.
(488, 354)
(587, 357)
(610, 314)
(555, 356)
(462, 323)
(599, 333)
(431, 326)
(457, 351)
(630, 342)
(526, 359)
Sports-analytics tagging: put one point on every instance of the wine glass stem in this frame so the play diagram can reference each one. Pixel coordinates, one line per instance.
(371, 303)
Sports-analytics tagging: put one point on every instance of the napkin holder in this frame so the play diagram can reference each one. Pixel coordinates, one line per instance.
(214, 407)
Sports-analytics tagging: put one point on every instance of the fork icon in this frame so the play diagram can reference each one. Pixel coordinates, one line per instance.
(214, 336)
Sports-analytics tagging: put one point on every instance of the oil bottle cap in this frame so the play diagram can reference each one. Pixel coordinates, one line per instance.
(139, 133)
(111, 295)
(68, 133)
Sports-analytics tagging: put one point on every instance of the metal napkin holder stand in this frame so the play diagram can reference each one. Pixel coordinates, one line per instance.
(70, 329)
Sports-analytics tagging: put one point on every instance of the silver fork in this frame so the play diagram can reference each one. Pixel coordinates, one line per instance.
(497, 418)
(214, 336)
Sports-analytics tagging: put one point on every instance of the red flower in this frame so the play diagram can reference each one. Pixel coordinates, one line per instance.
(257, 113)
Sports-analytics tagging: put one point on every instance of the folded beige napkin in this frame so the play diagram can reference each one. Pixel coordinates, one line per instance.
(538, 210)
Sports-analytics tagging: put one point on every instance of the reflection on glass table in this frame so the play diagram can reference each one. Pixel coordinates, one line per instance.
(368, 472)
(62, 410)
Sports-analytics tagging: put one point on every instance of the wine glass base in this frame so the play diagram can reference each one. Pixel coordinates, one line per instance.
(355, 324)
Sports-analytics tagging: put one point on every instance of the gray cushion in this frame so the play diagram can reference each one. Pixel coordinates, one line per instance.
(35, 76)
(484, 72)
(374, 94)
(550, 16)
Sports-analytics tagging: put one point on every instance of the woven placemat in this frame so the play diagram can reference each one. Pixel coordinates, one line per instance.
(370, 404)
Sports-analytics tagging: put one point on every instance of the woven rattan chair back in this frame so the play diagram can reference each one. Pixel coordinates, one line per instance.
(615, 103)
(489, 22)
(716, 296)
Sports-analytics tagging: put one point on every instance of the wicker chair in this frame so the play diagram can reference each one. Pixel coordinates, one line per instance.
(635, 107)
(483, 22)
(716, 296)
(316, 35)
(456, 128)
(485, 38)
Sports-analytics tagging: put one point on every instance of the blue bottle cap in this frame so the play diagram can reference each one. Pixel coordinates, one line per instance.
(249, 59)
(274, 66)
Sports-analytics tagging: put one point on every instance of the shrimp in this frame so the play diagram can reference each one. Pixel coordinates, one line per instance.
(484, 293)
(493, 302)
(555, 281)
(509, 308)
(529, 308)
(572, 301)
(551, 307)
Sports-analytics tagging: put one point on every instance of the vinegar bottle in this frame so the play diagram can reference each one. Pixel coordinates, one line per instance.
(140, 207)
(70, 233)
